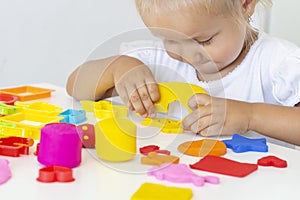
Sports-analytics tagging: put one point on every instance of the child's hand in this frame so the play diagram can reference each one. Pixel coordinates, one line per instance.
(216, 116)
(138, 89)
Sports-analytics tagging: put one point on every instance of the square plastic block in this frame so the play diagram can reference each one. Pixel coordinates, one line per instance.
(25, 93)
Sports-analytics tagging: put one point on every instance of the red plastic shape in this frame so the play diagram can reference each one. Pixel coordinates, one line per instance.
(8, 99)
(15, 146)
(55, 173)
(272, 161)
(224, 166)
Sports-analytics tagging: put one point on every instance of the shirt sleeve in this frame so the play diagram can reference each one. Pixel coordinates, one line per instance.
(286, 79)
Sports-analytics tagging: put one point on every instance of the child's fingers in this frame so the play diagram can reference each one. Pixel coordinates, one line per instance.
(201, 124)
(194, 116)
(153, 91)
(199, 100)
(146, 100)
(212, 130)
(137, 103)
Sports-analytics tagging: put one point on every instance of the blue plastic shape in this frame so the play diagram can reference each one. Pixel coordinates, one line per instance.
(240, 144)
(73, 116)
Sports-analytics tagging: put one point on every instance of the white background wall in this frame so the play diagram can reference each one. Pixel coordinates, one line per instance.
(43, 40)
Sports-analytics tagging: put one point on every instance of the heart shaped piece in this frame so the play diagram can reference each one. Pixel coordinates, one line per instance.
(55, 174)
(272, 161)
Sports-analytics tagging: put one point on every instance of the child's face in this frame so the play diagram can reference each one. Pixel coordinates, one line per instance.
(221, 38)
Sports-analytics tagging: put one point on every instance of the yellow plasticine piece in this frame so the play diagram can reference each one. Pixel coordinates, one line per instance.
(115, 139)
(176, 91)
(39, 108)
(29, 124)
(166, 125)
(151, 191)
(104, 109)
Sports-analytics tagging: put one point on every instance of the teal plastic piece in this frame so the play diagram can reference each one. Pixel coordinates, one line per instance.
(73, 116)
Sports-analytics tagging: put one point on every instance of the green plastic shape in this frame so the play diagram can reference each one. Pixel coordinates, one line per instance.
(7, 109)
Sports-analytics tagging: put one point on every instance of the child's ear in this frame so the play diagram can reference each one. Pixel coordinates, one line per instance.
(249, 6)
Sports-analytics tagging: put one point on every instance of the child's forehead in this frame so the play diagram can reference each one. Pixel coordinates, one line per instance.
(179, 27)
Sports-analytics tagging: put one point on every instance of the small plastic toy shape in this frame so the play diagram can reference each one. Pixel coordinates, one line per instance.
(15, 146)
(154, 158)
(176, 91)
(147, 149)
(60, 145)
(161, 192)
(55, 174)
(180, 173)
(25, 93)
(9, 129)
(7, 109)
(203, 147)
(87, 135)
(29, 124)
(224, 166)
(73, 116)
(240, 144)
(166, 125)
(115, 139)
(104, 109)
(38, 108)
(5, 172)
(153, 148)
(8, 99)
(272, 161)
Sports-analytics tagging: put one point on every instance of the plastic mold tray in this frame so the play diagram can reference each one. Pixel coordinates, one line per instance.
(27, 124)
(25, 93)
(104, 109)
(38, 108)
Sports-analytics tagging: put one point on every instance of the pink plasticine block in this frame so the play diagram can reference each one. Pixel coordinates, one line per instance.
(180, 173)
(60, 145)
(5, 173)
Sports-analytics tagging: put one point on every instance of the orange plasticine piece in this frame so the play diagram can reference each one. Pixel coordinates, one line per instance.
(154, 158)
(203, 147)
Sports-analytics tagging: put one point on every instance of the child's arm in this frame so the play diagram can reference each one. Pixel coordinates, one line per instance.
(132, 80)
(217, 116)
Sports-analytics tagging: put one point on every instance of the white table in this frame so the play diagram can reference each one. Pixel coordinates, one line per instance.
(96, 179)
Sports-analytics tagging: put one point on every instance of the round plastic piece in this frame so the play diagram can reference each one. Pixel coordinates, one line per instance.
(60, 145)
(8, 99)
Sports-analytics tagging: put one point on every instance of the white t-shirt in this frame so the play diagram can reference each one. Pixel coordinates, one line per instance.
(269, 73)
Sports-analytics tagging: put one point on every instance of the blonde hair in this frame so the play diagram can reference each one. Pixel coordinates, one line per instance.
(231, 8)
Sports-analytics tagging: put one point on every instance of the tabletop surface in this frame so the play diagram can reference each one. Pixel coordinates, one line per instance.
(98, 179)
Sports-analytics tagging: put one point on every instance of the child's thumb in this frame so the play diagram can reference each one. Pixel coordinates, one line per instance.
(199, 100)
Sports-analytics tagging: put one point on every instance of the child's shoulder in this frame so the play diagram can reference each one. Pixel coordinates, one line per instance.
(271, 43)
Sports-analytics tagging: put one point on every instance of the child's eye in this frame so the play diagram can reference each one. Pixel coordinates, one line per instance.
(205, 42)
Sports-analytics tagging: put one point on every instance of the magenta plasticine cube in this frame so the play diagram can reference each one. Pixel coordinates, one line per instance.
(60, 145)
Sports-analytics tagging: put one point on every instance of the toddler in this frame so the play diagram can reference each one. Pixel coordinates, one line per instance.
(253, 79)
